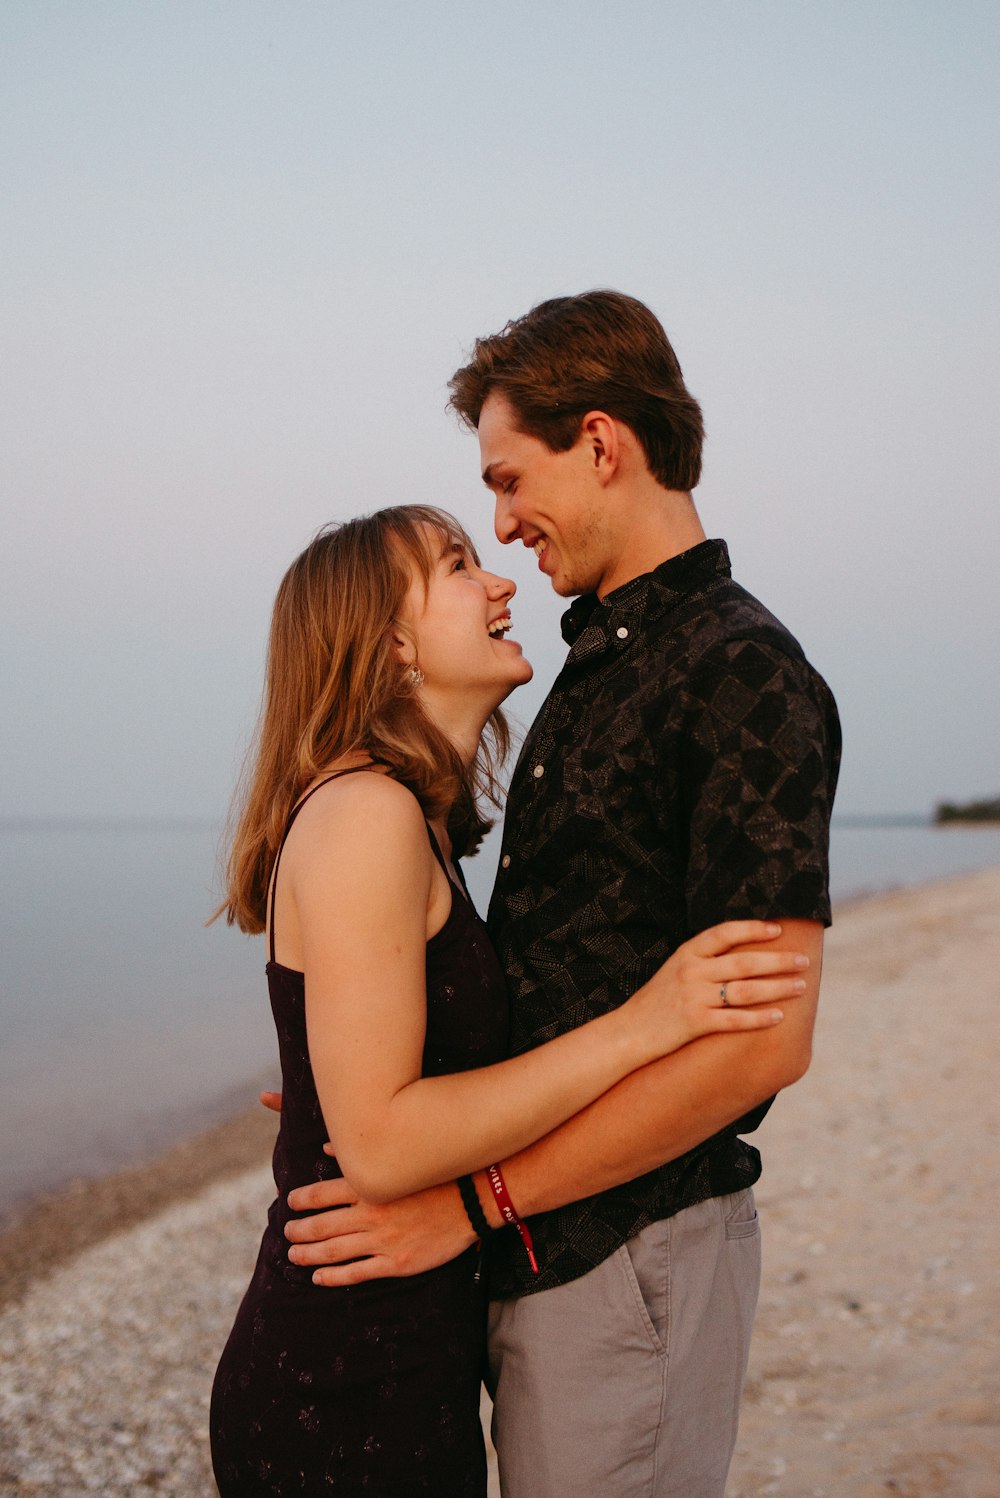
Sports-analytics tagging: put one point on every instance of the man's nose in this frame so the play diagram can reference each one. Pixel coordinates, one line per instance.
(505, 523)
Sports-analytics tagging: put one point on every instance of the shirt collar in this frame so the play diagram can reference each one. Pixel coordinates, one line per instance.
(591, 624)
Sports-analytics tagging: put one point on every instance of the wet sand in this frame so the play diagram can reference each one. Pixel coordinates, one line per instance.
(875, 1365)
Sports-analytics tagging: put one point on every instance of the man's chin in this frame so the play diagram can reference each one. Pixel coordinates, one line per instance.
(562, 584)
(566, 587)
(571, 584)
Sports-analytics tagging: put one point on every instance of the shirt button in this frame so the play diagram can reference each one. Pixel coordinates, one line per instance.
(621, 632)
(505, 861)
(538, 771)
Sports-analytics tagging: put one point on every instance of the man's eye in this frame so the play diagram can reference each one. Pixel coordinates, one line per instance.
(510, 486)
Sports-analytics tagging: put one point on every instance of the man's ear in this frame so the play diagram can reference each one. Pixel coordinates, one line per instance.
(602, 444)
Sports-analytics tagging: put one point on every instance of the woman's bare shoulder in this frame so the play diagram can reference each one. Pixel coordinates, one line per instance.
(365, 811)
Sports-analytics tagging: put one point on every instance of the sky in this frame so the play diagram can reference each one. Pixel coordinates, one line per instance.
(245, 245)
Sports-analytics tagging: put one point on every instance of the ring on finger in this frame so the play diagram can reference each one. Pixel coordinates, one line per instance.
(722, 994)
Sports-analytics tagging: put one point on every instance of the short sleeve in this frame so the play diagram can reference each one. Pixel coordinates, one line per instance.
(758, 746)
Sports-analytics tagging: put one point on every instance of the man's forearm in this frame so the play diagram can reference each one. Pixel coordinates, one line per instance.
(667, 1108)
(651, 1117)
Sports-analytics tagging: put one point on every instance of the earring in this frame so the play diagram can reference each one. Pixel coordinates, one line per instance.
(414, 676)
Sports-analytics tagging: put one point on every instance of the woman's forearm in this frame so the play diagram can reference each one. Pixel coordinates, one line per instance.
(436, 1128)
(430, 1130)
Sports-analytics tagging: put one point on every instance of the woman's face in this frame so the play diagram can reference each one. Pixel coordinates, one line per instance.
(458, 630)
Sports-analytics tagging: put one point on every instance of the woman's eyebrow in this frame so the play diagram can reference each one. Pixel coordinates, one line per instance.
(458, 549)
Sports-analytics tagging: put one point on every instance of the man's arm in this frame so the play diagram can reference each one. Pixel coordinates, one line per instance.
(665, 1109)
(653, 1116)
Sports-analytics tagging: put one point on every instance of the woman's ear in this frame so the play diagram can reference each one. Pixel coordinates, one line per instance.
(403, 643)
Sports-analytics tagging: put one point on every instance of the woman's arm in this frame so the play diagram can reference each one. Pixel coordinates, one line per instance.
(361, 880)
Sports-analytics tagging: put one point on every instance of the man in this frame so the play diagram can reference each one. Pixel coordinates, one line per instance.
(680, 773)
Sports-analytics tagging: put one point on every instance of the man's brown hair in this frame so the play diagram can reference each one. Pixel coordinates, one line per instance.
(600, 351)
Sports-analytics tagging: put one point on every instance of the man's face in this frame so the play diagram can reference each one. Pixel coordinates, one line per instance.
(550, 502)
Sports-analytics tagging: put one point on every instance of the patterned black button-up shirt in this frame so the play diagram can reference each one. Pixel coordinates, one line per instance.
(680, 773)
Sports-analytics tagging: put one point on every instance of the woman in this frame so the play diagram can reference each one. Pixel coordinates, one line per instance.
(388, 659)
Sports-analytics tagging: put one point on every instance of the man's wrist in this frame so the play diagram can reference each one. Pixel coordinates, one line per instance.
(487, 1200)
(473, 1207)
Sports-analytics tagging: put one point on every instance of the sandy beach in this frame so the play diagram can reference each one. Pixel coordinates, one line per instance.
(875, 1366)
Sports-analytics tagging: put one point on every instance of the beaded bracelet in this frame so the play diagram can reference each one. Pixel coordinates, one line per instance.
(473, 1207)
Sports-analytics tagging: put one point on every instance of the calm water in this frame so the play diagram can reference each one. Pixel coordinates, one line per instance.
(126, 1024)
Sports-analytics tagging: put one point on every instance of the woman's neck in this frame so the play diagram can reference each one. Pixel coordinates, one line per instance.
(462, 727)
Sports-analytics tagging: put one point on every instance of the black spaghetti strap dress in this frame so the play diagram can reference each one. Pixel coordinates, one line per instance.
(372, 1389)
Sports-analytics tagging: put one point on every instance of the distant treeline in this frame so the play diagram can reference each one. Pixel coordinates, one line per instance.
(972, 811)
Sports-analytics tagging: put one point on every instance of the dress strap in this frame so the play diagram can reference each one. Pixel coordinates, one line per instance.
(288, 827)
(461, 879)
(436, 847)
(436, 850)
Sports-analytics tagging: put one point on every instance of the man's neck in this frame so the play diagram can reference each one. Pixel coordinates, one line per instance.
(655, 528)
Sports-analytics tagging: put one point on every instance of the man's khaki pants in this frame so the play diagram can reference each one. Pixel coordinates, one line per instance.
(626, 1383)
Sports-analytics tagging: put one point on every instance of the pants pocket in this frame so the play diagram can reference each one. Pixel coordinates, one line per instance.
(739, 1214)
(645, 1262)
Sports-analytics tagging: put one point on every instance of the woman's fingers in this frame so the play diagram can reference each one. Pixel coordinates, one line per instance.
(746, 991)
(723, 989)
(722, 938)
(742, 1019)
(752, 965)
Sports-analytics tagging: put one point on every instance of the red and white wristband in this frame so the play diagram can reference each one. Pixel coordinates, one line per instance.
(509, 1212)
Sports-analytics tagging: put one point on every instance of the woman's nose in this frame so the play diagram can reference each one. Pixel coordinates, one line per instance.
(500, 587)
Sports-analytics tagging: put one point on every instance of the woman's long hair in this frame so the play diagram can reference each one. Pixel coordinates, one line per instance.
(335, 686)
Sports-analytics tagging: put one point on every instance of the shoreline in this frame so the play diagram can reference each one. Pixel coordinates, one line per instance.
(90, 1096)
(873, 1367)
(42, 1232)
(48, 1231)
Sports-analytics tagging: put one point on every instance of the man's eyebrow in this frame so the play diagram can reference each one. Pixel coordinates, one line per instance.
(491, 474)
